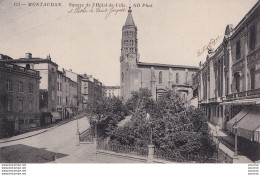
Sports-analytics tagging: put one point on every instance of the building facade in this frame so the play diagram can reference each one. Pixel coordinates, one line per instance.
(112, 91)
(19, 98)
(60, 104)
(92, 89)
(48, 84)
(156, 77)
(229, 83)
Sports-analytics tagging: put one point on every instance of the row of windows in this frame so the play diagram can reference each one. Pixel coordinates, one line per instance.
(251, 44)
(26, 121)
(177, 76)
(128, 33)
(129, 42)
(130, 49)
(10, 86)
(20, 106)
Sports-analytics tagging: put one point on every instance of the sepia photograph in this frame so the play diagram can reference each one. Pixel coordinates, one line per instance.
(129, 82)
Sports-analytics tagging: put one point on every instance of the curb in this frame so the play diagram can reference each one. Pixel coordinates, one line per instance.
(36, 133)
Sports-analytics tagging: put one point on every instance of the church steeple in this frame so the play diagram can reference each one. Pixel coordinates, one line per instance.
(129, 19)
(129, 44)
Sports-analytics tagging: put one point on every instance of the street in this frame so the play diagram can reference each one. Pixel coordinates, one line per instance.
(58, 140)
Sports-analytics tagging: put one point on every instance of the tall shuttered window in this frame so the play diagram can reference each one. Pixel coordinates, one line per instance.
(252, 37)
(237, 79)
(252, 76)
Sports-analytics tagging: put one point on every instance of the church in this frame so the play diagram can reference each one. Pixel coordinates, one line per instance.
(155, 76)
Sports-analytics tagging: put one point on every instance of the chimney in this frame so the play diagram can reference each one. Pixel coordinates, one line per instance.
(48, 57)
(28, 55)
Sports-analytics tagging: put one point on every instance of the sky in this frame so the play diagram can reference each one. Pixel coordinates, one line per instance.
(169, 32)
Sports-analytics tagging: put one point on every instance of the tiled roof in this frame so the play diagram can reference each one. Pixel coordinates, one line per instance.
(112, 87)
(167, 65)
(31, 60)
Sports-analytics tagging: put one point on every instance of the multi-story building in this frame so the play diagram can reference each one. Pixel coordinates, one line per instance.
(66, 110)
(92, 89)
(60, 105)
(78, 79)
(48, 84)
(19, 98)
(67, 95)
(195, 82)
(229, 83)
(79, 94)
(73, 96)
(112, 91)
(153, 76)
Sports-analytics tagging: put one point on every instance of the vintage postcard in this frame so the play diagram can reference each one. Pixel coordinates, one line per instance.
(138, 81)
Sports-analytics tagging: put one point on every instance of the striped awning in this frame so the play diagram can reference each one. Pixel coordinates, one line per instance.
(257, 135)
(238, 117)
(55, 116)
(248, 123)
(69, 110)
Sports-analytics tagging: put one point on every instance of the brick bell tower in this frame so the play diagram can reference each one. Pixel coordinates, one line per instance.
(129, 73)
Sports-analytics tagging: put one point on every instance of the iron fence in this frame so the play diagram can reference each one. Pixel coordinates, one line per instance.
(123, 148)
(86, 136)
(183, 157)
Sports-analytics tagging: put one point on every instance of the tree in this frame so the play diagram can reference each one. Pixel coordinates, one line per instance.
(141, 100)
(108, 112)
(177, 129)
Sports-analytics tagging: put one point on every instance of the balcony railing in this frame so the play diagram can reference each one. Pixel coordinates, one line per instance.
(243, 94)
(230, 96)
(253, 92)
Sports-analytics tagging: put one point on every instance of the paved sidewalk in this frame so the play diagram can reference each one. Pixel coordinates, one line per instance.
(25, 135)
(226, 144)
(39, 131)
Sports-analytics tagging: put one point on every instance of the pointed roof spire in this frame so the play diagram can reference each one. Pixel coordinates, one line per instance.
(129, 19)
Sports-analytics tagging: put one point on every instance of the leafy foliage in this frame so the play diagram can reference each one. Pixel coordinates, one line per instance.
(176, 127)
(107, 112)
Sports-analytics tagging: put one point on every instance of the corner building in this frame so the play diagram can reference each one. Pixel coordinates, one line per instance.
(156, 77)
(19, 99)
(229, 83)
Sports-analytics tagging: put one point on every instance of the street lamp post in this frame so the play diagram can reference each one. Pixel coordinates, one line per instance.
(96, 129)
(217, 129)
(150, 146)
(78, 133)
(235, 131)
(151, 133)
(95, 138)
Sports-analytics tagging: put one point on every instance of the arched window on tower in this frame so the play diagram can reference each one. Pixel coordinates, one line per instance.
(160, 77)
(122, 77)
(177, 78)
